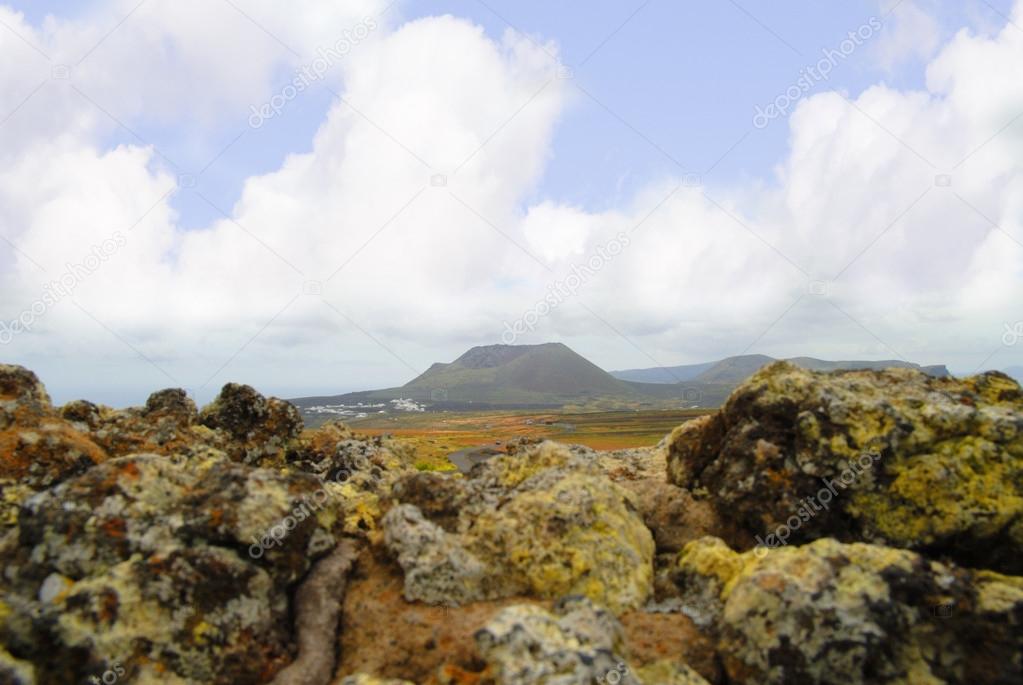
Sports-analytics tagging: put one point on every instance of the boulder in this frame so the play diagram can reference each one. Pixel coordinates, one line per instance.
(671, 513)
(38, 448)
(577, 642)
(167, 424)
(545, 523)
(260, 429)
(892, 457)
(852, 614)
(388, 637)
(172, 561)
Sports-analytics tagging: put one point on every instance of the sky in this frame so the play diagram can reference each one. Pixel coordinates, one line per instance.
(322, 197)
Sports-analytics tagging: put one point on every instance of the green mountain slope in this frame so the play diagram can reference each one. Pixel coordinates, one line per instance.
(551, 375)
(546, 373)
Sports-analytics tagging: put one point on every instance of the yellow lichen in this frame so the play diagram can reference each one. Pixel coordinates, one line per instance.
(606, 554)
(513, 470)
(966, 484)
(668, 672)
(997, 593)
(203, 633)
(711, 557)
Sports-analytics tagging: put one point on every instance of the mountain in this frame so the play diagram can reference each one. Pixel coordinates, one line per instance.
(544, 373)
(551, 376)
(734, 370)
(666, 374)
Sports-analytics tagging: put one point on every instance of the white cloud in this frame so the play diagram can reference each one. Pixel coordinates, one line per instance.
(911, 33)
(414, 189)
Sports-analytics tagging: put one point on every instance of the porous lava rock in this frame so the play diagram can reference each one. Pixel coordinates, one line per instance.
(891, 457)
(854, 614)
(543, 522)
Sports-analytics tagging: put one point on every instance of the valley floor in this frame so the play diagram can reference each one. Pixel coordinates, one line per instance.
(435, 435)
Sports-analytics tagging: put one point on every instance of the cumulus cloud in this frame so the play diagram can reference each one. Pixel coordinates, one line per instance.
(912, 34)
(891, 228)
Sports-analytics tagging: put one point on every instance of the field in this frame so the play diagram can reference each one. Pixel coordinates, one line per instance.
(436, 435)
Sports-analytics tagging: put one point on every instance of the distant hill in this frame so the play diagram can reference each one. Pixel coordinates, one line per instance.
(548, 373)
(551, 375)
(734, 370)
(666, 374)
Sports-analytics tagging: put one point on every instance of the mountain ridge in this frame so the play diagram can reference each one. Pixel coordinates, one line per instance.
(552, 375)
(737, 368)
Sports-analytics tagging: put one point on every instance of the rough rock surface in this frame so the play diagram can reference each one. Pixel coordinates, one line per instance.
(172, 561)
(37, 448)
(389, 637)
(168, 424)
(829, 612)
(363, 679)
(317, 610)
(669, 672)
(543, 522)
(163, 544)
(137, 540)
(671, 513)
(892, 457)
(260, 427)
(576, 643)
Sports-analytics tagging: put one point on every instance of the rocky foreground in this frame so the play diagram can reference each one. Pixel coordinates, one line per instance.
(855, 527)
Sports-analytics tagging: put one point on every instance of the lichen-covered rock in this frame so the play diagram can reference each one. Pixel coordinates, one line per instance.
(15, 671)
(579, 643)
(182, 563)
(829, 612)
(391, 638)
(240, 423)
(37, 447)
(364, 467)
(260, 428)
(892, 457)
(671, 513)
(167, 424)
(174, 403)
(363, 679)
(668, 672)
(22, 396)
(544, 523)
